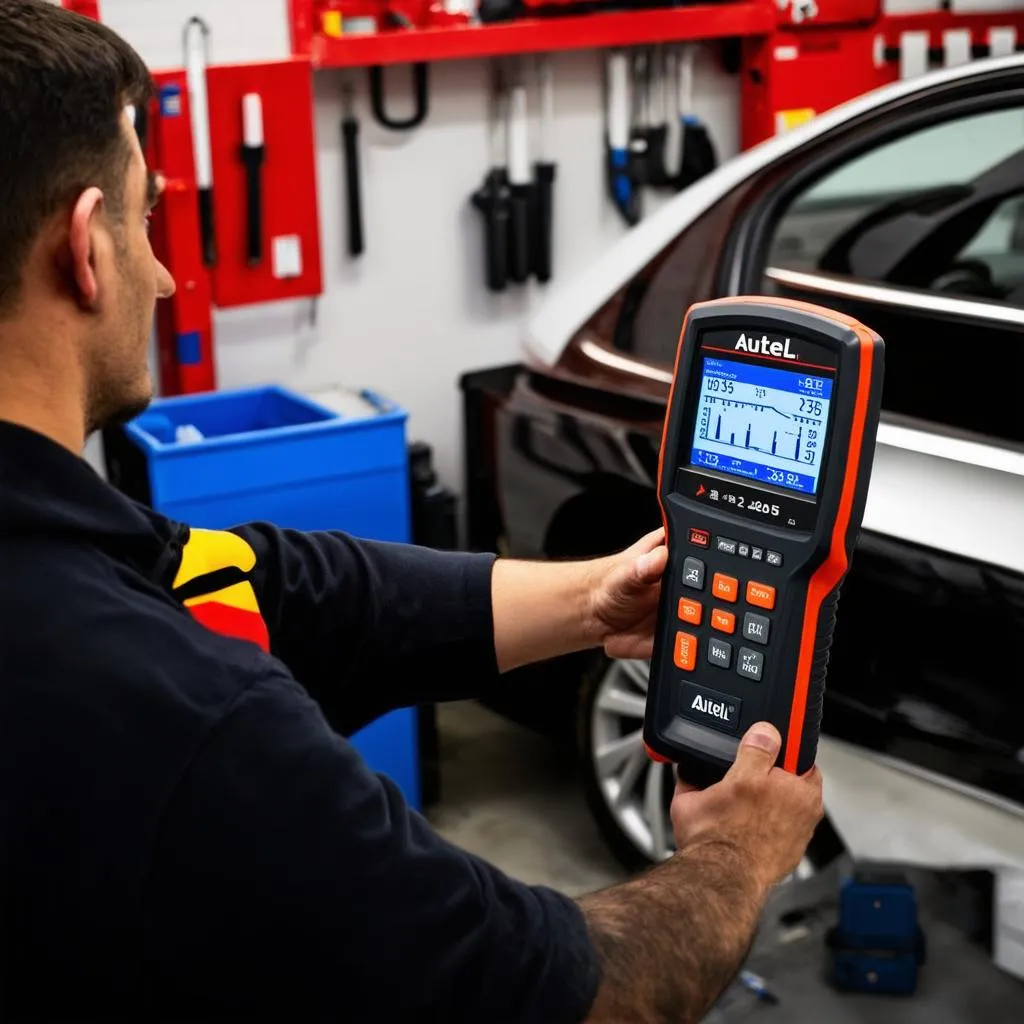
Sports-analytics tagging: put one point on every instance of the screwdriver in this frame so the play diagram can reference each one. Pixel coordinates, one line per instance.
(492, 198)
(620, 173)
(520, 182)
(544, 178)
(353, 193)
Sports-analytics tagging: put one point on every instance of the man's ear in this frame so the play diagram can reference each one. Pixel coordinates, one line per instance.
(81, 243)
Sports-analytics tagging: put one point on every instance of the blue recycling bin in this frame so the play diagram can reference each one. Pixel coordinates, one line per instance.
(223, 458)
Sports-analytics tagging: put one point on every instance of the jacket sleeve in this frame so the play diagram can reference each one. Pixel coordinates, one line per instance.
(368, 627)
(291, 882)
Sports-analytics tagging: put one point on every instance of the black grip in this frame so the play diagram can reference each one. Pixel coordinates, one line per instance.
(519, 233)
(206, 229)
(543, 220)
(353, 193)
(492, 201)
(816, 683)
(657, 137)
(253, 157)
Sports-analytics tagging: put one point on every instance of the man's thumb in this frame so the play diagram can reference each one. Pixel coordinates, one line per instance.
(649, 567)
(758, 750)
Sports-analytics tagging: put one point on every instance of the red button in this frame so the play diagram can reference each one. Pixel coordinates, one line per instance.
(700, 537)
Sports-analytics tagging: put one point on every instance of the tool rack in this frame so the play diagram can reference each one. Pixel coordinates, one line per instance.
(795, 60)
(528, 35)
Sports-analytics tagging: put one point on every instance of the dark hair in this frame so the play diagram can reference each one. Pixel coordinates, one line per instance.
(64, 84)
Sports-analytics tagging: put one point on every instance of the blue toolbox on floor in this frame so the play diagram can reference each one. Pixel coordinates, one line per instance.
(341, 463)
(877, 945)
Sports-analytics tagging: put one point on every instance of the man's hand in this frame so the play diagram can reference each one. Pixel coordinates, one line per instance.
(624, 597)
(671, 940)
(765, 814)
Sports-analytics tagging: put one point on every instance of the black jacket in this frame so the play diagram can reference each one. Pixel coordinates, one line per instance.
(182, 834)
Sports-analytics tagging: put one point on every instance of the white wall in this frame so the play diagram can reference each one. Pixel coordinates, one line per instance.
(411, 314)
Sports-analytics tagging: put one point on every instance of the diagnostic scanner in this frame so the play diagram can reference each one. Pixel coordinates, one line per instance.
(763, 476)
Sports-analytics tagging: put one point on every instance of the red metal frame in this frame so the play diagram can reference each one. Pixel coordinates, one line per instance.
(527, 35)
(184, 323)
(803, 70)
(87, 8)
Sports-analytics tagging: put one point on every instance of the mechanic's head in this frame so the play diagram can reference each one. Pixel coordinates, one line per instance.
(78, 279)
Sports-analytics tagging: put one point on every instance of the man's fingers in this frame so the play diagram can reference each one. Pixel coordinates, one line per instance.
(629, 647)
(758, 751)
(650, 566)
(650, 541)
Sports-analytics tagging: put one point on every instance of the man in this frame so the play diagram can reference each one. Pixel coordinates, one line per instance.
(184, 837)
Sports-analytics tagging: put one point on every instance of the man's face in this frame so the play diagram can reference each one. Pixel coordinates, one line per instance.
(117, 356)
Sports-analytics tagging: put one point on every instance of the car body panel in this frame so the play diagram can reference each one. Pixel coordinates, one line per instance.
(924, 676)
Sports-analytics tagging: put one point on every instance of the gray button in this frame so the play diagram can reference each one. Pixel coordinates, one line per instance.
(757, 554)
(774, 558)
(709, 707)
(725, 545)
(743, 550)
(756, 627)
(719, 652)
(750, 664)
(693, 573)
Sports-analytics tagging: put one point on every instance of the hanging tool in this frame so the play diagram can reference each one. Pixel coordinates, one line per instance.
(197, 37)
(421, 91)
(649, 128)
(673, 117)
(638, 121)
(492, 199)
(541, 233)
(657, 119)
(396, 19)
(622, 186)
(353, 196)
(698, 156)
(253, 154)
(520, 182)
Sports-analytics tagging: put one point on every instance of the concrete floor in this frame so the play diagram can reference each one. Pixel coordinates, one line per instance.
(512, 797)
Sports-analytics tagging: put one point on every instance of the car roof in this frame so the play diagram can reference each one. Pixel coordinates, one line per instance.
(568, 306)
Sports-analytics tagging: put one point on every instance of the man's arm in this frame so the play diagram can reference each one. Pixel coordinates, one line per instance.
(367, 626)
(671, 940)
(545, 609)
(401, 624)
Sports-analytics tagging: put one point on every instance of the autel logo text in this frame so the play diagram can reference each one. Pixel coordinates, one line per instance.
(763, 347)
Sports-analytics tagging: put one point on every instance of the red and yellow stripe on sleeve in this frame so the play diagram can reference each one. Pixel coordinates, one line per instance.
(233, 610)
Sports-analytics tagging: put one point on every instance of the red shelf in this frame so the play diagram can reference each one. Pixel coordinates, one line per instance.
(537, 35)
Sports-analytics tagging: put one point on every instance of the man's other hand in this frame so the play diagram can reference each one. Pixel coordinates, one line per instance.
(624, 597)
(765, 814)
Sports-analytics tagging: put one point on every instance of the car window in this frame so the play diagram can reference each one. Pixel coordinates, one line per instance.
(941, 208)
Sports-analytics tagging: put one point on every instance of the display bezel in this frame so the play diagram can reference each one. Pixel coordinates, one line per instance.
(796, 509)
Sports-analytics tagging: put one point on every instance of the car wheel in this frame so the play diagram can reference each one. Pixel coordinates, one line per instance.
(628, 793)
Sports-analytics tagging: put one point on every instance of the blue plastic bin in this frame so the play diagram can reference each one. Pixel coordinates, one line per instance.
(271, 454)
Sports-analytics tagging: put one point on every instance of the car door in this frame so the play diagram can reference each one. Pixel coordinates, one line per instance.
(935, 599)
(917, 229)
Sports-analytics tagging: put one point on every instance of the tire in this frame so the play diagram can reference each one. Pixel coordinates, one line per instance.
(624, 788)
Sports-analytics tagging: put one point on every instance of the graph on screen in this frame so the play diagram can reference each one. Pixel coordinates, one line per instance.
(761, 423)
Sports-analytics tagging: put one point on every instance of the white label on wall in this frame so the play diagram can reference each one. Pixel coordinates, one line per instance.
(287, 256)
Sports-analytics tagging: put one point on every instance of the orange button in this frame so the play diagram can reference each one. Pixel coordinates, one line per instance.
(723, 621)
(690, 611)
(685, 655)
(725, 587)
(761, 594)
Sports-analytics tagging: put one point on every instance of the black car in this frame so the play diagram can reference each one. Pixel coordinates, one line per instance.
(904, 210)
